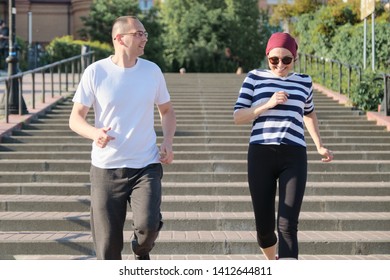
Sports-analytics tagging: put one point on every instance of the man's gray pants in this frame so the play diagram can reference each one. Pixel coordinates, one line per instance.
(111, 190)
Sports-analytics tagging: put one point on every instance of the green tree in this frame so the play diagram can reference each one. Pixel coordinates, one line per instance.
(284, 12)
(265, 30)
(98, 24)
(154, 48)
(347, 45)
(316, 30)
(336, 32)
(101, 16)
(198, 32)
(244, 37)
(193, 34)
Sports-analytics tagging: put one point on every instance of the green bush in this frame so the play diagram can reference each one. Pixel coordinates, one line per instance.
(348, 45)
(316, 30)
(22, 50)
(65, 47)
(368, 94)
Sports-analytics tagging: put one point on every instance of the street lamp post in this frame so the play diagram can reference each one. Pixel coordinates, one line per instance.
(12, 60)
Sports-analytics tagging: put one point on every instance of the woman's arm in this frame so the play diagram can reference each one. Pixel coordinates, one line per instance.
(246, 115)
(311, 123)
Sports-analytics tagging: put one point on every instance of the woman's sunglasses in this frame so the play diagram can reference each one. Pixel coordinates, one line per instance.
(274, 60)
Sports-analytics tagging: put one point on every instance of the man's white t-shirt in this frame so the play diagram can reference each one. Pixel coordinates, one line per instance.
(124, 99)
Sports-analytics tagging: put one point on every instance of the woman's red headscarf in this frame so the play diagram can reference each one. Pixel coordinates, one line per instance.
(282, 40)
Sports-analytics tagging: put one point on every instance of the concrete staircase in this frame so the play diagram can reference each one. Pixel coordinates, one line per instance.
(44, 184)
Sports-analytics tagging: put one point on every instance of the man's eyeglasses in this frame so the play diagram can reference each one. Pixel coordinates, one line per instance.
(285, 60)
(138, 34)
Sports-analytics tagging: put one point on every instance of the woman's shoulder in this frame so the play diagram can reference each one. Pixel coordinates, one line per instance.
(258, 74)
(302, 75)
(302, 79)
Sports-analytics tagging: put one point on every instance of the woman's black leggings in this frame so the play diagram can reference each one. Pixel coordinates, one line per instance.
(268, 164)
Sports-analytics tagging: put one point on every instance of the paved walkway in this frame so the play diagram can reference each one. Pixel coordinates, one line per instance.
(15, 121)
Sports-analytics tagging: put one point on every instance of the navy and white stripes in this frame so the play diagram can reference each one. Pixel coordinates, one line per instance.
(282, 124)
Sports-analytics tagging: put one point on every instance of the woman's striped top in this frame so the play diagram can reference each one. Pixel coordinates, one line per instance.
(282, 124)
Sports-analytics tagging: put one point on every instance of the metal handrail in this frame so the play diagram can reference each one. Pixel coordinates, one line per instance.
(353, 73)
(386, 97)
(78, 65)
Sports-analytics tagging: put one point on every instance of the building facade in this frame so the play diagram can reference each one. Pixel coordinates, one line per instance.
(48, 18)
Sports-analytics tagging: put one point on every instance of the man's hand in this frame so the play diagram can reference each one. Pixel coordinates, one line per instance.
(102, 138)
(166, 153)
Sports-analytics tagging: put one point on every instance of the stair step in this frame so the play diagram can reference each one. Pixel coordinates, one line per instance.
(192, 155)
(192, 221)
(209, 188)
(19, 136)
(239, 257)
(193, 165)
(203, 203)
(205, 177)
(46, 147)
(198, 242)
(188, 138)
(63, 120)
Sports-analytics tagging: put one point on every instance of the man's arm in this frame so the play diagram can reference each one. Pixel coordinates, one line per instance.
(168, 123)
(78, 123)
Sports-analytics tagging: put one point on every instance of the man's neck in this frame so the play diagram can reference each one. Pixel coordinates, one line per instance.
(124, 61)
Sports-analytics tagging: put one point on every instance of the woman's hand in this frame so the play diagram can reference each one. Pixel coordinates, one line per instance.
(327, 155)
(277, 98)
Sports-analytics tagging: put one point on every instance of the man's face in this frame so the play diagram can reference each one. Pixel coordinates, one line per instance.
(134, 39)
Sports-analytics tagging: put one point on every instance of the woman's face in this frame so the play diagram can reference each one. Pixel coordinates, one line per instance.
(276, 61)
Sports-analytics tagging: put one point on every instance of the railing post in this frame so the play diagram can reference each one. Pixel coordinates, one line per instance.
(323, 70)
(7, 92)
(43, 87)
(84, 57)
(20, 105)
(79, 69)
(73, 74)
(52, 81)
(331, 74)
(59, 79)
(33, 88)
(340, 77)
(386, 80)
(66, 77)
(349, 80)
